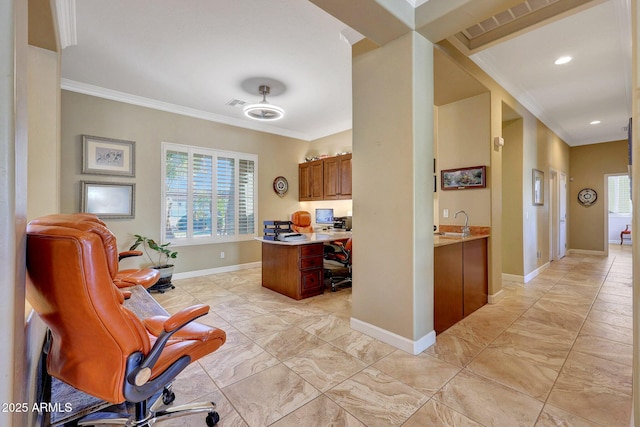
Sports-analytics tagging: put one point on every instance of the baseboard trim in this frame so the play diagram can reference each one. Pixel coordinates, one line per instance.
(535, 272)
(404, 344)
(492, 299)
(225, 269)
(512, 278)
(585, 252)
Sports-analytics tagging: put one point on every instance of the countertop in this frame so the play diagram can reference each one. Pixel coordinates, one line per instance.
(440, 240)
(327, 236)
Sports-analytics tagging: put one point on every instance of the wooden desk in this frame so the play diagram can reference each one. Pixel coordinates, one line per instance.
(295, 268)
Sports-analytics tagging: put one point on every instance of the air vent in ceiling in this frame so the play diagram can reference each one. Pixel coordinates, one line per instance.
(235, 102)
(502, 18)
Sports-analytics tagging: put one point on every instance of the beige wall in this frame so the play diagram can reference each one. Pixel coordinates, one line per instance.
(392, 187)
(44, 133)
(589, 164)
(512, 203)
(14, 370)
(463, 141)
(83, 114)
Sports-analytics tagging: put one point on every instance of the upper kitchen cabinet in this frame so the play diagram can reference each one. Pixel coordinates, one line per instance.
(337, 177)
(310, 180)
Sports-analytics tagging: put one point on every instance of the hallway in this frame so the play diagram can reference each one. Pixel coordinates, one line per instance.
(556, 351)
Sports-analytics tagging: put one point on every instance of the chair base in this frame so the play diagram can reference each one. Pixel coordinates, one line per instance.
(337, 281)
(159, 411)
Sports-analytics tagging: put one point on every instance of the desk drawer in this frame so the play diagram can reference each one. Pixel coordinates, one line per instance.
(311, 250)
(311, 282)
(313, 262)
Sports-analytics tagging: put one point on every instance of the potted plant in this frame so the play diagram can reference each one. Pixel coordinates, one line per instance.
(159, 262)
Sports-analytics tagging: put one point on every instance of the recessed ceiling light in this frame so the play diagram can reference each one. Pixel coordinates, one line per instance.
(563, 60)
(595, 122)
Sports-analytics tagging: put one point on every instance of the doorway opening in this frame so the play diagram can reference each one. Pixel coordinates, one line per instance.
(558, 213)
(618, 209)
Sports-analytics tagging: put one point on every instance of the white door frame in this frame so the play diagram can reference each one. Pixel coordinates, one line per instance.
(555, 220)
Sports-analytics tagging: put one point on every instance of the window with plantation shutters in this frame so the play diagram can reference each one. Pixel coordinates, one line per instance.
(208, 195)
(620, 195)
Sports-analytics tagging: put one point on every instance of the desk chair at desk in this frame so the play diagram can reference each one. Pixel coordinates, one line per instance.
(337, 265)
(301, 222)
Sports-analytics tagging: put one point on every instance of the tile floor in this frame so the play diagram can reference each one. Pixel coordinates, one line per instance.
(554, 352)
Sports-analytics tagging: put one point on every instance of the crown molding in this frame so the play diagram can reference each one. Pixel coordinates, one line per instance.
(127, 98)
(66, 19)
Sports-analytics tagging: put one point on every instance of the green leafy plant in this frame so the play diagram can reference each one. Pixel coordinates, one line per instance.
(164, 254)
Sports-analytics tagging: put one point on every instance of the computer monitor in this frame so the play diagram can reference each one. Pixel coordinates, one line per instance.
(324, 216)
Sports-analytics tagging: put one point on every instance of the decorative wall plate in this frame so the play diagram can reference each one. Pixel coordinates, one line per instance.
(280, 185)
(587, 196)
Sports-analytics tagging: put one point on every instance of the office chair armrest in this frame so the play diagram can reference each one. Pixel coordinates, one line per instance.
(184, 316)
(126, 254)
(140, 375)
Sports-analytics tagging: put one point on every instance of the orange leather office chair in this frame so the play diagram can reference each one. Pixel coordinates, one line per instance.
(97, 345)
(146, 277)
(337, 265)
(301, 222)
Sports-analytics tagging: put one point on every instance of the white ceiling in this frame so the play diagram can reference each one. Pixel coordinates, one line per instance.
(194, 60)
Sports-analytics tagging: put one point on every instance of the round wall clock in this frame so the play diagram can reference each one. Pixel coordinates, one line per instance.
(587, 196)
(280, 185)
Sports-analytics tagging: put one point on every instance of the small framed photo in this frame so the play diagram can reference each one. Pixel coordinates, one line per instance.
(463, 178)
(108, 200)
(105, 156)
(538, 187)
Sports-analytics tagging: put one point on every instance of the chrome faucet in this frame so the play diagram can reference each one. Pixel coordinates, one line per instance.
(465, 229)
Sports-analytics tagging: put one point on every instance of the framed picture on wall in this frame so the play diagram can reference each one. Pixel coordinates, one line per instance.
(538, 187)
(108, 200)
(106, 156)
(463, 178)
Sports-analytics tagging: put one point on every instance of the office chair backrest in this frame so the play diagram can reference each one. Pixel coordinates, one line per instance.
(71, 268)
(301, 222)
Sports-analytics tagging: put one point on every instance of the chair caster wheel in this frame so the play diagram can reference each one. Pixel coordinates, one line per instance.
(212, 418)
(168, 397)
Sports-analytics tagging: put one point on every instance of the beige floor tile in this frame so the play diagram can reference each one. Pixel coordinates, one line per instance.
(453, 349)
(508, 369)
(325, 366)
(550, 316)
(488, 402)
(556, 417)
(435, 414)
(257, 327)
(321, 411)
(610, 307)
(269, 395)
(377, 399)
(549, 350)
(227, 366)
(604, 349)
(617, 320)
(327, 327)
(422, 372)
(363, 347)
(289, 342)
(605, 330)
(229, 417)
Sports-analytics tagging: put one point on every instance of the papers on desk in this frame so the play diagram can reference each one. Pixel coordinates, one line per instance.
(290, 237)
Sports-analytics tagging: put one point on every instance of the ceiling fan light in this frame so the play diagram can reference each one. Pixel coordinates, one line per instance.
(263, 111)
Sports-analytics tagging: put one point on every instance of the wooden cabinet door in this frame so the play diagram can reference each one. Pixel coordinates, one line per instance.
(476, 282)
(331, 178)
(337, 177)
(447, 283)
(310, 177)
(345, 176)
(304, 181)
(317, 176)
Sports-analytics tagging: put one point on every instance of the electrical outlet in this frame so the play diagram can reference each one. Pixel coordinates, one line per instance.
(221, 254)
(445, 213)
